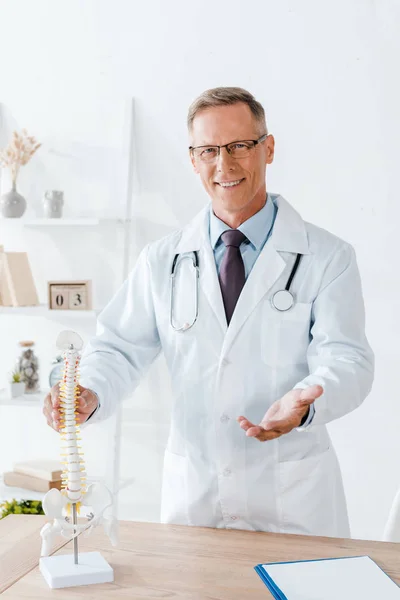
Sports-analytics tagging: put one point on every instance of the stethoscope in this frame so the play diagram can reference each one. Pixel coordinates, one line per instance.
(194, 257)
(282, 300)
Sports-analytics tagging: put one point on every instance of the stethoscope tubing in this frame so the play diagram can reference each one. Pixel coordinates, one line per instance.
(195, 260)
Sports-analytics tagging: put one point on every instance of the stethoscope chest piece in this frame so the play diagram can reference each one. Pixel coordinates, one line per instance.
(282, 300)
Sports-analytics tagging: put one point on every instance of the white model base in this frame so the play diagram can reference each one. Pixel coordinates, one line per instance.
(60, 571)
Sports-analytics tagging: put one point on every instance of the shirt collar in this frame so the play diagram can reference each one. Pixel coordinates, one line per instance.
(256, 229)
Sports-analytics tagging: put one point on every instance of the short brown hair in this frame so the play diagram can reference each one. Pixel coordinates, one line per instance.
(221, 96)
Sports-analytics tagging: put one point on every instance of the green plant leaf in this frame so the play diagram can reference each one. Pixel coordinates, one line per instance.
(31, 507)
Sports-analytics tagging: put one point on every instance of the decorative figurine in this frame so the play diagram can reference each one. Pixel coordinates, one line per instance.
(86, 568)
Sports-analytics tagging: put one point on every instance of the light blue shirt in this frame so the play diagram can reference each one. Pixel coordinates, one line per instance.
(257, 230)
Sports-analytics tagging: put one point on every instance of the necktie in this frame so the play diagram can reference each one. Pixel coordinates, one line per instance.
(231, 274)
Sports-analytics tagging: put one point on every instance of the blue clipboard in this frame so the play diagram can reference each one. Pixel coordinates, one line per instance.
(273, 588)
(276, 592)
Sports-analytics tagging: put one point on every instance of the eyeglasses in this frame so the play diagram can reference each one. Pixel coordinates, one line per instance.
(240, 149)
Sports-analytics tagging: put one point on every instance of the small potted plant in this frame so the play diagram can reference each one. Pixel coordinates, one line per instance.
(17, 386)
(20, 507)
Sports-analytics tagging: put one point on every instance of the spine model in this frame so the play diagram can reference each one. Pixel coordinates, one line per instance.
(61, 505)
(74, 474)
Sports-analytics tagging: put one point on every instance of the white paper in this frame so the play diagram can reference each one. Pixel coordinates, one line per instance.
(346, 578)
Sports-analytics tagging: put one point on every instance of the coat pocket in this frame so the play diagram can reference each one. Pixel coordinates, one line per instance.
(285, 335)
(174, 494)
(308, 495)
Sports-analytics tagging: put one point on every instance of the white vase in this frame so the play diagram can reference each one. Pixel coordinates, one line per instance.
(12, 204)
(17, 389)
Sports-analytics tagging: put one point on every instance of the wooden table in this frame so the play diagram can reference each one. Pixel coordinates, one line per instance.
(156, 561)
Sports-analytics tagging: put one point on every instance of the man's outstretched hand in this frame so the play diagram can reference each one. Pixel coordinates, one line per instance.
(284, 415)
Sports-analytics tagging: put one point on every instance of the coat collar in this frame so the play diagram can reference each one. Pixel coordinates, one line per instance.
(195, 234)
(289, 233)
(289, 236)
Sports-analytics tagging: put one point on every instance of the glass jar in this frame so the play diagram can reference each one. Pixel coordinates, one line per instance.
(28, 366)
(57, 370)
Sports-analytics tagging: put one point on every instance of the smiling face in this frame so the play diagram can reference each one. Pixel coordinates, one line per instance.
(237, 187)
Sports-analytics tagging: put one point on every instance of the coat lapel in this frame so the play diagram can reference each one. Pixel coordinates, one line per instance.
(210, 284)
(289, 236)
(267, 269)
(196, 237)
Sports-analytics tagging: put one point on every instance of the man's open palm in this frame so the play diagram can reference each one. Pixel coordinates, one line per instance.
(284, 415)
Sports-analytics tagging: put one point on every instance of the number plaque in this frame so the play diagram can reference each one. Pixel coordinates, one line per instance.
(70, 295)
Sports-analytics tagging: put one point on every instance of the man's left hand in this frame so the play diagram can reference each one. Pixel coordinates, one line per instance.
(284, 415)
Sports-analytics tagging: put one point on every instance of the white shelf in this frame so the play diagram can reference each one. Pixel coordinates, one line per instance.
(25, 400)
(42, 310)
(10, 493)
(62, 222)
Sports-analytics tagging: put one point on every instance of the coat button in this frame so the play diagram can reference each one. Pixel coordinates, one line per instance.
(233, 517)
(224, 418)
(227, 472)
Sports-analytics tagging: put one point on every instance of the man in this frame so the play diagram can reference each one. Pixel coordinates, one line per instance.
(266, 318)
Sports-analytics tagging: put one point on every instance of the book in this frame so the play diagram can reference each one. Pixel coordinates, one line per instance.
(50, 470)
(328, 579)
(3, 288)
(28, 482)
(17, 287)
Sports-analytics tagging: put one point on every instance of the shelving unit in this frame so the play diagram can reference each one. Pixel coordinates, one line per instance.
(53, 227)
(42, 310)
(9, 493)
(65, 222)
(26, 400)
(35, 401)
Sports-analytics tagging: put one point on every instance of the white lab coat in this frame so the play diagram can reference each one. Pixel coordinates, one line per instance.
(213, 474)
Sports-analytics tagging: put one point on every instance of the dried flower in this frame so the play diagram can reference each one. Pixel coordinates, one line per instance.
(18, 153)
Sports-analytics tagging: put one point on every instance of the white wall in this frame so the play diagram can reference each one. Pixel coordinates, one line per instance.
(327, 76)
